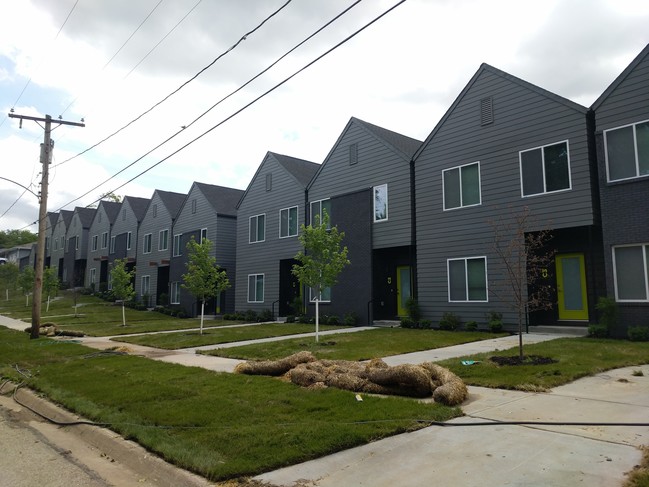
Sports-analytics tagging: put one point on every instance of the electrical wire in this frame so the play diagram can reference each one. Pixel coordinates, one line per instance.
(243, 38)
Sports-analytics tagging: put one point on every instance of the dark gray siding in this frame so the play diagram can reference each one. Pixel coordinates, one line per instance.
(525, 117)
(125, 222)
(100, 224)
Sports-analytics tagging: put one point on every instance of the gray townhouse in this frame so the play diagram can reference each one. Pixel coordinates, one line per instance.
(99, 239)
(124, 237)
(622, 139)
(76, 250)
(208, 211)
(364, 184)
(503, 146)
(52, 218)
(270, 213)
(153, 255)
(59, 232)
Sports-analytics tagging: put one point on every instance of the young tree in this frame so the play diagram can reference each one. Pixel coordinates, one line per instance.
(322, 260)
(26, 282)
(525, 258)
(122, 281)
(9, 273)
(204, 279)
(51, 284)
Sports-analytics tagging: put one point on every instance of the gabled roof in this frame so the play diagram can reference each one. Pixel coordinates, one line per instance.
(138, 205)
(86, 216)
(513, 79)
(623, 75)
(223, 200)
(172, 201)
(51, 219)
(111, 208)
(66, 216)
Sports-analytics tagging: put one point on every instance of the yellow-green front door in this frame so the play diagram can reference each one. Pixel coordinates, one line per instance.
(404, 289)
(571, 287)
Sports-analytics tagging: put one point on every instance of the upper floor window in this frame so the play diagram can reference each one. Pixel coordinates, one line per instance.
(112, 244)
(128, 240)
(177, 250)
(146, 244)
(545, 169)
(288, 222)
(462, 186)
(95, 241)
(631, 272)
(467, 279)
(381, 203)
(203, 234)
(163, 240)
(155, 211)
(353, 154)
(627, 151)
(257, 228)
(269, 182)
(194, 206)
(104, 240)
(318, 209)
(124, 214)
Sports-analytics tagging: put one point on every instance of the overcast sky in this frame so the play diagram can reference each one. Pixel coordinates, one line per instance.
(401, 73)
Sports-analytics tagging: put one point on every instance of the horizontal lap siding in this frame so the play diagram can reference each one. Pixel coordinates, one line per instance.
(264, 257)
(123, 226)
(99, 226)
(523, 119)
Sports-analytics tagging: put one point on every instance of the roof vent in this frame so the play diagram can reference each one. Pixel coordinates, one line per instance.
(486, 110)
(353, 154)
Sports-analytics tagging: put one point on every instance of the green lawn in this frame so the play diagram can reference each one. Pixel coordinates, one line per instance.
(576, 357)
(185, 339)
(218, 425)
(362, 345)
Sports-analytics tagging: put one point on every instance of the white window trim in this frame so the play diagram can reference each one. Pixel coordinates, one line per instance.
(459, 168)
(374, 203)
(311, 203)
(297, 219)
(646, 277)
(95, 243)
(545, 191)
(144, 239)
(177, 250)
(448, 280)
(312, 299)
(177, 297)
(635, 151)
(129, 237)
(250, 226)
(203, 230)
(93, 275)
(160, 240)
(104, 240)
(148, 280)
(263, 287)
(111, 250)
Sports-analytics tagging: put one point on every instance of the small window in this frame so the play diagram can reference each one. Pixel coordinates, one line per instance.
(353, 154)
(104, 240)
(175, 292)
(146, 247)
(269, 182)
(545, 169)
(257, 228)
(194, 206)
(76, 242)
(112, 245)
(177, 250)
(155, 211)
(288, 222)
(486, 110)
(381, 203)
(99, 217)
(95, 242)
(124, 214)
(462, 186)
(128, 240)
(318, 209)
(631, 273)
(325, 295)
(255, 288)
(467, 279)
(163, 240)
(627, 151)
(203, 234)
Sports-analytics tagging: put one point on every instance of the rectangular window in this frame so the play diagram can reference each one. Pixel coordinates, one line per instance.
(257, 228)
(353, 154)
(95, 242)
(146, 244)
(194, 206)
(104, 240)
(67, 244)
(318, 210)
(325, 296)
(110, 281)
(93, 276)
(462, 186)
(381, 203)
(163, 240)
(56, 244)
(128, 240)
(177, 250)
(112, 245)
(155, 211)
(124, 214)
(545, 169)
(76, 242)
(255, 288)
(627, 151)
(203, 234)
(288, 222)
(631, 272)
(467, 279)
(175, 292)
(269, 182)
(146, 286)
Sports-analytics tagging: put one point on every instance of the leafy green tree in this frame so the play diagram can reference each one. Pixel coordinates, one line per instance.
(204, 279)
(26, 282)
(51, 284)
(9, 277)
(13, 238)
(322, 260)
(122, 281)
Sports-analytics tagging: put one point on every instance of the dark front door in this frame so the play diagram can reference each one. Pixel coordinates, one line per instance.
(289, 288)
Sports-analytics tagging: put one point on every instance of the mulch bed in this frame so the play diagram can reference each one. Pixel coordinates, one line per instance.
(527, 360)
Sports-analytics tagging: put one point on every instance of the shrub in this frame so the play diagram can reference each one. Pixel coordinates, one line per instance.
(471, 326)
(449, 321)
(250, 316)
(304, 319)
(407, 323)
(495, 321)
(414, 312)
(333, 320)
(426, 324)
(351, 319)
(266, 315)
(164, 299)
(181, 314)
(607, 308)
(597, 330)
(290, 319)
(638, 333)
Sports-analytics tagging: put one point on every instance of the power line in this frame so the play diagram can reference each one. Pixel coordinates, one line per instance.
(221, 100)
(243, 38)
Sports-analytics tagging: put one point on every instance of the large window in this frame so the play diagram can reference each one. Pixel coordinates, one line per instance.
(177, 250)
(325, 295)
(255, 288)
(175, 292)
(627, 151)
(318, 209)
(146, 244)
(545, 169)
(257, 228)
(163, 240)
(462, 186)
(381, 203)
(467, 279)
(288, 222)
(631, 266)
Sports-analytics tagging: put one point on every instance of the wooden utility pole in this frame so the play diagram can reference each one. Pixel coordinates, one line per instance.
(46, 159)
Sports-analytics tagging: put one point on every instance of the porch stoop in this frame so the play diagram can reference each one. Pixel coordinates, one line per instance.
(386, 323)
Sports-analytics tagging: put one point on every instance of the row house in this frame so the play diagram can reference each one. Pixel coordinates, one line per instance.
(59, 234)
(124, 236)
(76, 246)
(100, 231)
